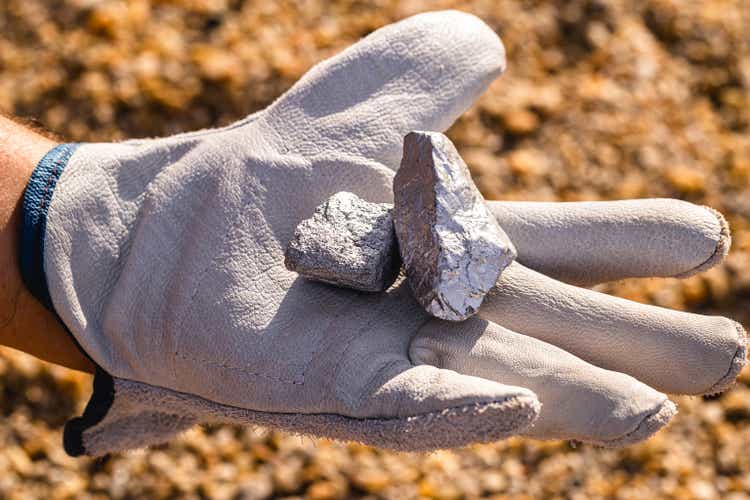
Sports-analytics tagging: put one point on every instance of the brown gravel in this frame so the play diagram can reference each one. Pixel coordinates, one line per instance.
(603, 99)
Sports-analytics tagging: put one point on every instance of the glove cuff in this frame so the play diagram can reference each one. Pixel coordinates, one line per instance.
(36, 202)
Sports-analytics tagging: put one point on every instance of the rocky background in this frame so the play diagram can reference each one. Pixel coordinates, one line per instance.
(603, 99)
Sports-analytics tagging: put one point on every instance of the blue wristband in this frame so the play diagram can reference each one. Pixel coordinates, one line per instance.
(36, 202)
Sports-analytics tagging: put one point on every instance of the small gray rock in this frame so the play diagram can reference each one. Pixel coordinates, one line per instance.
(347, 242)
(451, 245)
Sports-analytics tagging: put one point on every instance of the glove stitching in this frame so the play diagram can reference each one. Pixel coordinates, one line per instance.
(240, 368)
(52, 175)
(197, 289)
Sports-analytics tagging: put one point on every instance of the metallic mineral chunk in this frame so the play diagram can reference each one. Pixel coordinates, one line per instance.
(347, 242)
(451, 245)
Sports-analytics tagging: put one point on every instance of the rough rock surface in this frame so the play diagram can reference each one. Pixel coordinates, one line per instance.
(452, 247)
(347, 242)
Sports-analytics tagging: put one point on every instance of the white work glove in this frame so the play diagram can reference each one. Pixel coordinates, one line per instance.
(165, 260)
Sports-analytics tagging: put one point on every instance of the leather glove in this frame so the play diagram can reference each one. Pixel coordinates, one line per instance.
(164, 259)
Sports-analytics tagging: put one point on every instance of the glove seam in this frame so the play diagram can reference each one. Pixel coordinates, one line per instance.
(300, 380)
(243, 369)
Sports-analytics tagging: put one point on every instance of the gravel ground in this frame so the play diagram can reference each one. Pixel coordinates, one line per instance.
(602, 100)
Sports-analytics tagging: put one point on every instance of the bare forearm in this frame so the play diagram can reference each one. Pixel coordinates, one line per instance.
(24, 323)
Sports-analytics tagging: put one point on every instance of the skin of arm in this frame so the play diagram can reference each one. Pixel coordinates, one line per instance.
(25, 324)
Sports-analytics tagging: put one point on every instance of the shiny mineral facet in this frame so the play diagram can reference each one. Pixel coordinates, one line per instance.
(451, 245)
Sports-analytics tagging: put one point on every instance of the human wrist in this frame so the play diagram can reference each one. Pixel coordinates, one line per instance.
(24, 323)
(20, 150)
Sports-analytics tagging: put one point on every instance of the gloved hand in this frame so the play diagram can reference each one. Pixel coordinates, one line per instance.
(165, 259)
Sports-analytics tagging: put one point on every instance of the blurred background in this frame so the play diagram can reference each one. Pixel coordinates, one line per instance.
(602, 99)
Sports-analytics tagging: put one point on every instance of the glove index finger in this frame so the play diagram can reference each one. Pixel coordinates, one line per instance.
(586, 243)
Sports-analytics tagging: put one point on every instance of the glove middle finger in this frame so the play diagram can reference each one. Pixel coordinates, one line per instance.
(673, 351)
(579, 400)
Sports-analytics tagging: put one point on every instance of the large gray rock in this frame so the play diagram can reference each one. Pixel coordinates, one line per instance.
(347, 242)
(451, 245)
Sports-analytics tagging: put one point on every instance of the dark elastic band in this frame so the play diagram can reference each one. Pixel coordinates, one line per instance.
(36, 202)
(102, 398)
